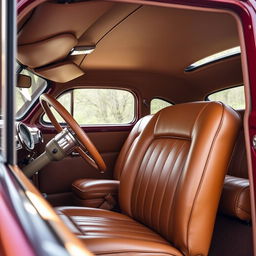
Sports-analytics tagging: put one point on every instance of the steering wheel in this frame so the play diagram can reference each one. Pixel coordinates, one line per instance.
(85, 144)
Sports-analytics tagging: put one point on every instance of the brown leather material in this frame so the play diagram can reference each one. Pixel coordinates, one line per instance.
(96, 193)
(61, 72)
(47, 51)
(89, 189)
(106, 232)
(171, 180)
(174, 180)
(95, 159)
(129, 143)
(238, 164)
(94, 202)
(235, 199)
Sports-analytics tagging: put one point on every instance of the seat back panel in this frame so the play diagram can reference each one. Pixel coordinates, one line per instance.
(156, 183)
(173, 175)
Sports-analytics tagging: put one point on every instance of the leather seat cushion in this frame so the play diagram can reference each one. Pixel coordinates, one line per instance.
(235, 199)
(105, 232)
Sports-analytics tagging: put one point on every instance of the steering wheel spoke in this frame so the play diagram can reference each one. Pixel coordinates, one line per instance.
(93, 157)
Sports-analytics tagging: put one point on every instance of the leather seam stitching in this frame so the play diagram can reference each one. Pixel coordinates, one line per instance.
(77, 227)
(172, 205)
(134, 209)
(167, 181)
(171, 137)
(148, 181)
(155, 188)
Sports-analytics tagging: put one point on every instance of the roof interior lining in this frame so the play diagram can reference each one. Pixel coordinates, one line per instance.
(141, 38)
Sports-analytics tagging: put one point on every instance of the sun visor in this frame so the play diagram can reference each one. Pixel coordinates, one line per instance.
(47, 51)
(61, 72)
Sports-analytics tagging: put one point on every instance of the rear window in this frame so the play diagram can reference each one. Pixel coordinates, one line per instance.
(234, 97)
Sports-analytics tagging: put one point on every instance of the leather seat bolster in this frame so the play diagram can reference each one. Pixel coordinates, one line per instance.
(93, 189)
(235, 199)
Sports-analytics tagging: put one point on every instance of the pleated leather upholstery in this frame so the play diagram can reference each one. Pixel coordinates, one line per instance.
(172, 177)
(93, 192)
(129, 143)
(176, 172)
(153, 198)
(109, 233)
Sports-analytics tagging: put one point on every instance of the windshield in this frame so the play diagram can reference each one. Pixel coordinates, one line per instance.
(25, 97)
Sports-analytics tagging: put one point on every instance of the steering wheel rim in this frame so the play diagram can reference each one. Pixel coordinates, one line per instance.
(96, 160)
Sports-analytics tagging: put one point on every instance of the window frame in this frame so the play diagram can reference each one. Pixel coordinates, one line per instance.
(134, 120)
(206, 98)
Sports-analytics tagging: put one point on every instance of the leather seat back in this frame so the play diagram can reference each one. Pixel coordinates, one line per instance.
(174, 174)
(129, 143)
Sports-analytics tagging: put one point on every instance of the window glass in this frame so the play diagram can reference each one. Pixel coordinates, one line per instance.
(98, 106)
(25, 97)
(233, 97)
(65, 100)
(158, 104)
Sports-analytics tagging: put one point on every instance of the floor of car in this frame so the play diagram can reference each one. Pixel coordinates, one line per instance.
(231, 237)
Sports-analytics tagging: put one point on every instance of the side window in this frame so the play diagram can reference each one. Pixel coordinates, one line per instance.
(98, 106)
(233, 97)
(158, 104)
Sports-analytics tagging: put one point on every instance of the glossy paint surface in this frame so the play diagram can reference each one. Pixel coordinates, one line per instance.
(10, 229)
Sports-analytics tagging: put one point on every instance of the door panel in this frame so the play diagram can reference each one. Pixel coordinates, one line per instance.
(56, 178)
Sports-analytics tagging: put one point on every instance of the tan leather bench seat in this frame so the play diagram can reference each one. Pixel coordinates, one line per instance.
(170, 185)
(235, 199)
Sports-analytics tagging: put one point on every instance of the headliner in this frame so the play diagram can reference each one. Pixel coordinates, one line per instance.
(148, 41)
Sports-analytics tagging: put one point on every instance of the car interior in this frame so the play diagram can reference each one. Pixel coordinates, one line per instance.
(130, 124)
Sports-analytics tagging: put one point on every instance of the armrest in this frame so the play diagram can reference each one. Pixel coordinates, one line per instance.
(235, 199)
(96, 193)
(90, 189)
